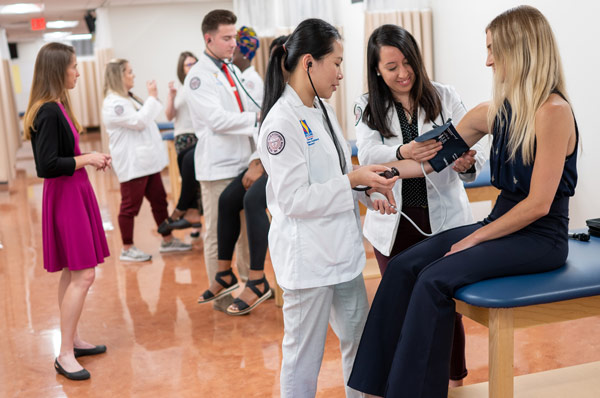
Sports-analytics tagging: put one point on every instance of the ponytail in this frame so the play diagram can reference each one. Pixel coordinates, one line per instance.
(312, 36)
(274, 80)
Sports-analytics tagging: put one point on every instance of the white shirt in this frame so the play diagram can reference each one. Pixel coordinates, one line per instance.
(183, 120)
(380, 229)
(135, 143)
(255, 86)
(315, 236)
(224, 133)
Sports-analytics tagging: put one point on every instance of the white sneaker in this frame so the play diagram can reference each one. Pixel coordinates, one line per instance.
(134, 254)
(175, 245)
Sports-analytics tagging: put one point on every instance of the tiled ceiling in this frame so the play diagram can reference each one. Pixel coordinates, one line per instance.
(18, 27)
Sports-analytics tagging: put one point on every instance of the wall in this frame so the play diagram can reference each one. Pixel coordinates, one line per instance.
(459, 58)
(151, 37)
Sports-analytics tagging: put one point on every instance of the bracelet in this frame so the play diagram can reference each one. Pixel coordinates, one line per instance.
(398, 153)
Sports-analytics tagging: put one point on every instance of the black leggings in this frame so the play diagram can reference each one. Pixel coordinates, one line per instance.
(234, 199)
(190, 188)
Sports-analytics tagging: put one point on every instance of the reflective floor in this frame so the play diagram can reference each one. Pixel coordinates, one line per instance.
(161, 343)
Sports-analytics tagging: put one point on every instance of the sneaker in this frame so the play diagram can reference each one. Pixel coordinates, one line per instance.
(175, 245)
(134, 254)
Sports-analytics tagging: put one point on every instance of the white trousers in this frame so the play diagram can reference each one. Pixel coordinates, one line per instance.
(306, 314)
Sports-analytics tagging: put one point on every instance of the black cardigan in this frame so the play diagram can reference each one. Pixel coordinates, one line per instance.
(53, 143)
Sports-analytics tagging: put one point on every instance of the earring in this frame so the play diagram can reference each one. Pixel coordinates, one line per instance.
(378, 74)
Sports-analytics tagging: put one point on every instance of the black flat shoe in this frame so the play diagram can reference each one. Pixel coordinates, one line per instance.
(182, 223)
(81, 352)
(79, 375)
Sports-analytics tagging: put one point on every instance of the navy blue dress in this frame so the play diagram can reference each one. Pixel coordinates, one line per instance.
(405, 347)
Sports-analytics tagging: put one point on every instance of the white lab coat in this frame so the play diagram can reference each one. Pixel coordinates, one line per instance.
(315, 237)
(224, 133)
(381, 230)
(135, 143)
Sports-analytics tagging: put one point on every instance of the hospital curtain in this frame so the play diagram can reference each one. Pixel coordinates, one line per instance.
(103, 56)
(417, 22)
(10, 130)
(84, 96)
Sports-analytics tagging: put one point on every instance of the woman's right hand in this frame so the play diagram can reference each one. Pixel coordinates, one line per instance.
(369, 175)
(151, 87)
(421, 151)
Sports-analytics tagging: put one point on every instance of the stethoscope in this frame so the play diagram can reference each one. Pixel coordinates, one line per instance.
(231, 69)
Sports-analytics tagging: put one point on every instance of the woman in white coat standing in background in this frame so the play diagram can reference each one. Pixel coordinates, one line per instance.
(138, 155)
(402, 104)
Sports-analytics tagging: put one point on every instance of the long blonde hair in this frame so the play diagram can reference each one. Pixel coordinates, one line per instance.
(528, 70)
(113, 77)
(49, 83)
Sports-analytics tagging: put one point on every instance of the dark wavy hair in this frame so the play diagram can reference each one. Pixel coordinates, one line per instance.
(380, 96)
(312, 36)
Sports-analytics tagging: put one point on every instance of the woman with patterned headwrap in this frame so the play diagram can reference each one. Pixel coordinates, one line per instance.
(247, 44)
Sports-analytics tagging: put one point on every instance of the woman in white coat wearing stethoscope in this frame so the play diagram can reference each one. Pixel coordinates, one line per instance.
(138, 155)
(315, 239)
(403, 103)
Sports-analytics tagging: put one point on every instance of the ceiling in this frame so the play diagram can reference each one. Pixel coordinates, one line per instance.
(18, 27)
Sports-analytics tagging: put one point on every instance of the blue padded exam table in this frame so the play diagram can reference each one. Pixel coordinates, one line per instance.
(504, 304)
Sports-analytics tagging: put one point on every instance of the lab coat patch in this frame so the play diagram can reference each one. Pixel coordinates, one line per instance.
(308, 134)
(275, 142)
(119, 110)
(357, 114)
(195, 83)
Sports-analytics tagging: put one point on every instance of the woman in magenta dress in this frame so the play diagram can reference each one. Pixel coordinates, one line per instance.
(73, 237)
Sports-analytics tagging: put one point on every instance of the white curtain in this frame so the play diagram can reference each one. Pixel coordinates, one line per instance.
(85, 94)
(103, 53)
(10, 130)
(389, 5)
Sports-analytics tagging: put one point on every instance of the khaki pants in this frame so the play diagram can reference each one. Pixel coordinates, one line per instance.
(211, 191)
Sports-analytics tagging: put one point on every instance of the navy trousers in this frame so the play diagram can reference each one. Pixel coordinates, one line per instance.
(406, 345)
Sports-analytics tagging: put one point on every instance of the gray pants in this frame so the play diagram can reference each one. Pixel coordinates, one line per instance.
(306, 314)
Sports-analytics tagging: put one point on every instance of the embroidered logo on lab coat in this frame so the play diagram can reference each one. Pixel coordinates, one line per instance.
(195, 83)
(119, 110)
(275, 142)
(249, 84)
(308, 134)
(357, 114)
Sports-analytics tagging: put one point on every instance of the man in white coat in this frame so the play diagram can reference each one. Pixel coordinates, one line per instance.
(225, 128)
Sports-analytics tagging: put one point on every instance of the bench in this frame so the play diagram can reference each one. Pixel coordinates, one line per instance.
(505, 304)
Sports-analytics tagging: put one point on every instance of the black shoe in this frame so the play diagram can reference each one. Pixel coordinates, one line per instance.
(182, 223)
(242, 307)
(164, 227)
(79, 375)
(81, 352)
(227, 287)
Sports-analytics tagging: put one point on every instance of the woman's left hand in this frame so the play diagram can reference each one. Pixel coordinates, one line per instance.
(465, 162)
(465, 243)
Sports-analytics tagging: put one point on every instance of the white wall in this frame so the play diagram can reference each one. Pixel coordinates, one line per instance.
(151, 37)
(460, 53)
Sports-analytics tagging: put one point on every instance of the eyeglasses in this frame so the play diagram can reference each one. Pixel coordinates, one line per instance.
(189, 65)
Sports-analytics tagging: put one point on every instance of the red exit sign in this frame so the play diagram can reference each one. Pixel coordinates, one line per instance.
(38, 23)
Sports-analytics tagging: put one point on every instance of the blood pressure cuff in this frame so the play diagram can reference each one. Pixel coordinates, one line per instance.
(453, 145)
(593, 226)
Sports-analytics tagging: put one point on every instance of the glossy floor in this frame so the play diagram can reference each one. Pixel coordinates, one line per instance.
(161, 343)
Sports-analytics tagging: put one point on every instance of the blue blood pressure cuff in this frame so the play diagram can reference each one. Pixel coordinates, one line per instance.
(453, 145)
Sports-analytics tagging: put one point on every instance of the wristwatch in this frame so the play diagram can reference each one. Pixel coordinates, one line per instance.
(398, 154)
